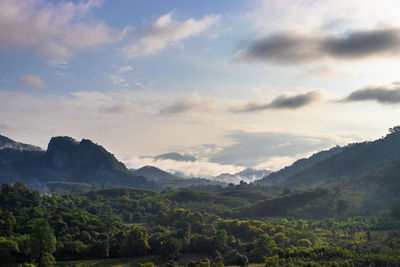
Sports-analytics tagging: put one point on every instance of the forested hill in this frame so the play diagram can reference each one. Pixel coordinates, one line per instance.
(339, 164)
(6, 142)
(67, 160)
(298, 166)
(355, 160)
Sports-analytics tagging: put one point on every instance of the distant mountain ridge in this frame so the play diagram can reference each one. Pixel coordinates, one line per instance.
(67, 160)
(153, 173)
(6, 142)
(166, 179)
(247, 175)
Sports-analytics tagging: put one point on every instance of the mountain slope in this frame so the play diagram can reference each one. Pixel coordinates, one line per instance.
(353, 161)
(70, 161)
(299, 166)
(6, 142)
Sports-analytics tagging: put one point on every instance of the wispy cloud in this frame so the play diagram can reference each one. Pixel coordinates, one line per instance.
(191, 104)
(32, 81)
(117, 80)
(300, 48)
(113, 109)
(58, 62)
(280, 102)
(166, 31)
(123, 69)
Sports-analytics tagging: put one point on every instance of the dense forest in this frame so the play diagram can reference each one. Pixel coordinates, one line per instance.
(339, 207)
(193, 228)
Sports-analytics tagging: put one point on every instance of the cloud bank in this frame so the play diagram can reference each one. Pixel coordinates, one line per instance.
(197, 169)
(300, 48)
(281, 102)
(270, 150)
(57, 29)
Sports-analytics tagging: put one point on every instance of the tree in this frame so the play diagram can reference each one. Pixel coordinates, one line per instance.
(395, 211)
(394, 130)
(136, 242)
(7, 223)
(342, 206)
(7, 249)
(43, 243)
(171, 247)
(304, 242)
(263, 246)
(219, 240)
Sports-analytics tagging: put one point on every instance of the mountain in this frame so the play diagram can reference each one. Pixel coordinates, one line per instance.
(363, 176)
(353, 161)
(175, 156)
(247, 175)
(6, 142)
(67, 160)
(154, 173)
(166, 180)
(298, 166)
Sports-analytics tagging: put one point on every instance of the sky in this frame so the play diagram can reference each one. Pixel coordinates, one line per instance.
(228, 84)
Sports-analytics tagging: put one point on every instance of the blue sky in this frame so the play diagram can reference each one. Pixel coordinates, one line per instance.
(235, 83)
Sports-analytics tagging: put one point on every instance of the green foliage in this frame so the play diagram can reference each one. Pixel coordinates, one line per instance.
(43, 243)
(263, 246)
(91, 225)
(304, 243)
(136, 242)
(8, 248)
(147, 264)
(171, 247)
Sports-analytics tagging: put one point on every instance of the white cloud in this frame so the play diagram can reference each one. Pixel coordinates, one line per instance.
(166, 31)
(117, 80)
(32, 81)
(57, 29)
(58, 62)
(202, 168)
(125, 69)
(276, 163)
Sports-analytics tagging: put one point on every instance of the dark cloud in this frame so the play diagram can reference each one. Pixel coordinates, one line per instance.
(175, 156)
(363, 43)
(383, 95)
(294, 48)
(281, 102)
(193, 103)
(250, 149)
(113, 109)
